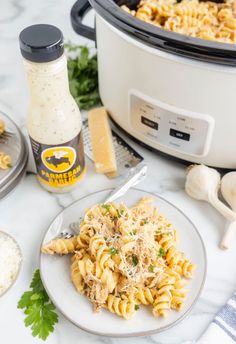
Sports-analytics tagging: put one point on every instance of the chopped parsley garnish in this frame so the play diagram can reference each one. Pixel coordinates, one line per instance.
(106, 206)
(161, 252)
(151, 268)
(113, 251)
(105, 238)
(9, 165)
(136, 307)
(134, 232)
(145, 221)
(134, 260)
(119, 212)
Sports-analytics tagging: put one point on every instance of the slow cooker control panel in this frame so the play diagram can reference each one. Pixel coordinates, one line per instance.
(178, 129)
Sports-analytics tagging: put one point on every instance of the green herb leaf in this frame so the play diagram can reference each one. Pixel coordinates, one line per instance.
(36, 283)
(83, 76)
(161, 252)
(25, 299)
(136, 307)
(145, 221)
(106, 206)
(151, 268)
(113, 251)
(9, 165)
(134, 260)
(119, 212)
(134, 232)
(39, 310)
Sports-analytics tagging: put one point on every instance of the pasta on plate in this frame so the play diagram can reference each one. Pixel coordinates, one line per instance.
(5, 159)
(203, 19)
(127, 257)
(2, 126)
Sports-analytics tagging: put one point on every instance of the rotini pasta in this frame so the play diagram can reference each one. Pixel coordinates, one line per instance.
(163, 298)
(5, 159)
(60, 246)
(127, 257)
(2, 126)
(144, 295)
(76, 275)
(123, 308)
(206, 20)
(178, 295)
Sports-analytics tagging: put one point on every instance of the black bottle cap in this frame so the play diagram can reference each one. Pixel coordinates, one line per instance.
(41, 43)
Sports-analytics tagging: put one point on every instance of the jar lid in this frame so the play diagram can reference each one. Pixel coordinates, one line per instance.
(15, 146)
(41, 43)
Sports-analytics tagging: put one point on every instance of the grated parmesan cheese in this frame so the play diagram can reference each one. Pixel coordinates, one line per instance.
(10, 259)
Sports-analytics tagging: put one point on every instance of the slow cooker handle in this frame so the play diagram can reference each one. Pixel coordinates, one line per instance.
(77, 14)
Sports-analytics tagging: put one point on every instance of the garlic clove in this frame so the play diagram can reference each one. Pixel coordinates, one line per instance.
(228, 236)
(228, 189)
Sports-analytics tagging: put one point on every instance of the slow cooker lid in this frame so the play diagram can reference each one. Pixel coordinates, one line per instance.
(196, 48)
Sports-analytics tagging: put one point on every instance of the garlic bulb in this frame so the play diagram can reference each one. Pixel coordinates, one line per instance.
(228, 190)
(203, 183)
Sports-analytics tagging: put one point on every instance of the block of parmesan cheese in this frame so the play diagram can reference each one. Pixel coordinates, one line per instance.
(101, 141)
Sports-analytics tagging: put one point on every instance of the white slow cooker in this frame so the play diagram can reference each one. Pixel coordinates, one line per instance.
(173, 93)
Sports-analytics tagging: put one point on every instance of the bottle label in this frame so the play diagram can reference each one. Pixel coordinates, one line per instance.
(61, 165)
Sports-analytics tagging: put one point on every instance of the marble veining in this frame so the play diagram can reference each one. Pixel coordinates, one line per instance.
(27, 212)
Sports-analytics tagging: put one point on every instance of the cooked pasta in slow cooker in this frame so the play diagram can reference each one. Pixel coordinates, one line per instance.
(202, 19)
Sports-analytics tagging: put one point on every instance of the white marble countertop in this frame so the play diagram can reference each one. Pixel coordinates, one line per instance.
(28, 210)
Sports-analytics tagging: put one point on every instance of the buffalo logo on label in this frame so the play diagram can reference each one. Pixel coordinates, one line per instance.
(59, 159)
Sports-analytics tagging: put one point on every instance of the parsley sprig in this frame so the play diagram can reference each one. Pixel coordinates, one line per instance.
(83, 76)
(39, 310)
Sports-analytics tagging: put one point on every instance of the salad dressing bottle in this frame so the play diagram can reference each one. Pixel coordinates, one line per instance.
(54, 120)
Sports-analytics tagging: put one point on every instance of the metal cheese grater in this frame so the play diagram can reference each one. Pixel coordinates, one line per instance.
(126, 156)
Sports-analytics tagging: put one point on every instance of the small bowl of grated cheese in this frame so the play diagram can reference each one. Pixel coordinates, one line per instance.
(10, 261)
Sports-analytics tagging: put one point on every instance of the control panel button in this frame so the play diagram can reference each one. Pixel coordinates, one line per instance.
(149, 123)
(180, 135)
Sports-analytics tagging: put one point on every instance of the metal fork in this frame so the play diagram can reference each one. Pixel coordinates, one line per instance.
(64, 235)
(5, 136)
(133, 178)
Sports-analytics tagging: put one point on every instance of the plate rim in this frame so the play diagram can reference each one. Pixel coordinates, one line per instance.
(140, 333)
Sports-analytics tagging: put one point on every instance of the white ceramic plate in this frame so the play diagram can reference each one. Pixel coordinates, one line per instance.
(55, 273)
